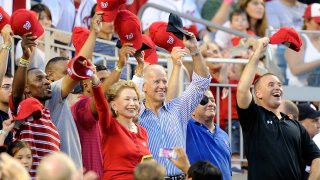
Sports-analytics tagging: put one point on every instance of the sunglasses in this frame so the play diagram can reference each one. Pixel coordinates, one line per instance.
(204, 100)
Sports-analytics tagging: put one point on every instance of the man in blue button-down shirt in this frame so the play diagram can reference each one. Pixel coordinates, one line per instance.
(166, 123)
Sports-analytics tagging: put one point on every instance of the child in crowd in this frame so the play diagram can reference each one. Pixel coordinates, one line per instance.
(239, 21)
(22, 152)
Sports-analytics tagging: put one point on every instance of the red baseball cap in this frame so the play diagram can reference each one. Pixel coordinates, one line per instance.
(79, 37)
(313, 11)
(23, 21)
(287, 36)
(109, 8)
(77, 70)
(162, 38)
(4, 18)
(150, 55)
(29, 107)
(127, 25)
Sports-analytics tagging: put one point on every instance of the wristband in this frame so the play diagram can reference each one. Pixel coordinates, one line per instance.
(5, 133)
(23, 62)
(7, 47)
(118, 69)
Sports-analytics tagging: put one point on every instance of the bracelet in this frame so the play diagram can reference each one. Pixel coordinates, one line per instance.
(7, 47)
(23, 62)
(118, 69)
(197, 53)
(5, 133)
(95, 85)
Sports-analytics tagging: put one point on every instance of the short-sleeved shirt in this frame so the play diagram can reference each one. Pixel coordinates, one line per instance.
(275, 148)
(213, 147)
(90, 136)
(62, 117)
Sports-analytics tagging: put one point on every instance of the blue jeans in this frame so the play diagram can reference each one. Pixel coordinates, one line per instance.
(235, 136)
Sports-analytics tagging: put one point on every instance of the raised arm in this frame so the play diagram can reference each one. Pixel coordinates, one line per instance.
(7, 126)
(101, 105)
(6, 33)
(20, 77)
(138, 73)
(222, 14)
(177, 54)
(68, 83)
(199, 64)
(114, 77)
(244, 96)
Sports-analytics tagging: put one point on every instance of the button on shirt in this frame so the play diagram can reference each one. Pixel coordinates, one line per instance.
(213, 147)
(169, 128)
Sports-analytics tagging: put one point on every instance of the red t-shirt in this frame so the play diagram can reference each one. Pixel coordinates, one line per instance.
(122, 150)
(90, 136)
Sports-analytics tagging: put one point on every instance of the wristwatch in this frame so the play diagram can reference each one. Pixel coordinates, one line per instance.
(5, 133)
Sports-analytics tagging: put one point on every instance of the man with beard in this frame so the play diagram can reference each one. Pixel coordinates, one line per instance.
(276, 146)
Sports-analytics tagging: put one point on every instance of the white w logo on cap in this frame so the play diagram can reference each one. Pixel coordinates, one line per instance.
(104, 4)
(27, 25)
(129, 36)
(1, 17)
(170, 40)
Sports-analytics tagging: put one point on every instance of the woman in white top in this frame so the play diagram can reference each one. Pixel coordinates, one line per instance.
(302, 64)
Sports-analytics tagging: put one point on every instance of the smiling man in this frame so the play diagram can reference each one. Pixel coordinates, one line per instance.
(166, 123)
(276, 146)
(206, 140)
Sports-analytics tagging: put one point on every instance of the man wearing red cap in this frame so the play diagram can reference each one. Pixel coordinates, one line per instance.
(276, 146)
(53, 95)
(166, 123)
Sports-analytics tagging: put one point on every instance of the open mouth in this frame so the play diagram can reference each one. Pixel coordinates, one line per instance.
(276, 94)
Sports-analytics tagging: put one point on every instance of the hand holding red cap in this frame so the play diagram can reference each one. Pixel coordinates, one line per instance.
(287, 36)
(80, 68)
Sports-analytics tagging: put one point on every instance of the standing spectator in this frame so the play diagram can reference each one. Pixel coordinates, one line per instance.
(309, 117)
(271, 140)
(303, 66)
(206, 140)
(124, 143)
(282, 13)
(166, 123)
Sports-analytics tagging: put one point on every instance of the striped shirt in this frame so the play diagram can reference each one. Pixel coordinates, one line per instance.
(42, 136)
(169, 128)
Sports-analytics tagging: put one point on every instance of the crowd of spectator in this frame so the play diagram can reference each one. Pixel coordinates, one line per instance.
(75, 115)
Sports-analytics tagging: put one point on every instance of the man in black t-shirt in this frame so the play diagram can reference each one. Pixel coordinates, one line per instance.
(276, 146)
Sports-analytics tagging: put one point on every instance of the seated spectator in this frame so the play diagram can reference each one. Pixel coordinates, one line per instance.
(203, 170)
(149, 170)
(309, 117)
(21, 151)
(239, 21)
(304, 66)
(290, 109)
(256, 17)
(285, 13)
